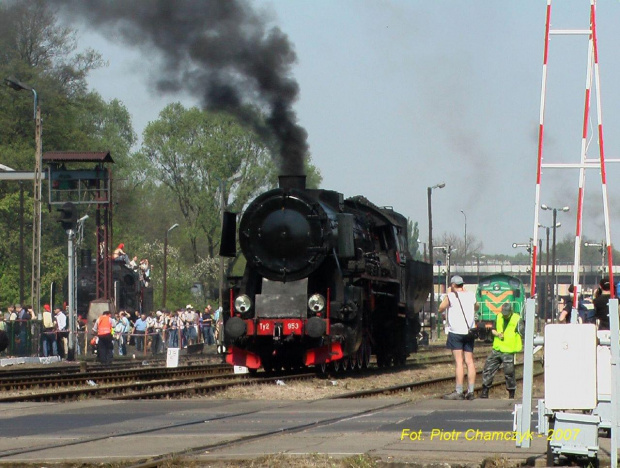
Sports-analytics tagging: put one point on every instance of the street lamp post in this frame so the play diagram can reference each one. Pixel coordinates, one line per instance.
(74, 238)
(555, 218)
(429, 192)
(547, 293)
(446, 250)
(175, 225)
(448, 263)
(465, 248)
(36, 223)
(543, 299)
(222, 208)
(478, 257)
(21, 243)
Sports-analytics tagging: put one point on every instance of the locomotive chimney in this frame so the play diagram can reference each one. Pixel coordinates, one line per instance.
(288, 182)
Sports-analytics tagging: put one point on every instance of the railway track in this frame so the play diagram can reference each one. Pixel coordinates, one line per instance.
(192, 452)
(439, 382)
(114, 379)
(132, 382)
(66, 367)
(107, 376)
(205, 389)
(154, 389)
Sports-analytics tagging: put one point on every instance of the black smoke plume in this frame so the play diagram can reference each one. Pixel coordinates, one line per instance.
(219, 50)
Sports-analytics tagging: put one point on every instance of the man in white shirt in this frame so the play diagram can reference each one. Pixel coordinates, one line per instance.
(61, 327)
(191, 319)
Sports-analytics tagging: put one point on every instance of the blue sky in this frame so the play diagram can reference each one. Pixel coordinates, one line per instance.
(397, 96)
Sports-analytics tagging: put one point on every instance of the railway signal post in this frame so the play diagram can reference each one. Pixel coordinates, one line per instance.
(68, 221)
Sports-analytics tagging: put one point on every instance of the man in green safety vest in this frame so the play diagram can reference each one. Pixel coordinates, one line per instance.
(506, 344)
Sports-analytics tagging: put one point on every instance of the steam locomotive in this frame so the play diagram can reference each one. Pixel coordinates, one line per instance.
(327, 281)
(128, 291)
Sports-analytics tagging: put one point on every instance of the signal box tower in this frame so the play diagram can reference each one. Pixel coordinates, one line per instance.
(90, 184)
(580, 362)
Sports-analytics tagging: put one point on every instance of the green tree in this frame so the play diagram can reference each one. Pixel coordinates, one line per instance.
(457, 243)
(413, 231)
(201, 157)
(38, 51)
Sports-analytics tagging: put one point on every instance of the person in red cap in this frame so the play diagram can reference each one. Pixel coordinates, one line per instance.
(119, 254)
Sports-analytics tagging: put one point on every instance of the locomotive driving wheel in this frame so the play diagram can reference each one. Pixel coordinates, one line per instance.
(359, 357)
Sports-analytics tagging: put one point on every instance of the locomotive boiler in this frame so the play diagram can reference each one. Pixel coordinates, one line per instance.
(327, 280)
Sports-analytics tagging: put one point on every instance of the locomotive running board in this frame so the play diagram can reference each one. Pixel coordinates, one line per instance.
(323, 355)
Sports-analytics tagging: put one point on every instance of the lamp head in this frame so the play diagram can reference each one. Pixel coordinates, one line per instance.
(16, 85)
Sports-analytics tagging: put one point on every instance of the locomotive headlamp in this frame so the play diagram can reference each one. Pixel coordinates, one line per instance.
(316, 303)
(243, 304)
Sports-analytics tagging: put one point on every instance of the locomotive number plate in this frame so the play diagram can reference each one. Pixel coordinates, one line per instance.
(286, 327)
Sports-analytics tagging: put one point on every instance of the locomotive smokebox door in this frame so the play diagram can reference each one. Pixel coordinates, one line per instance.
(283, 300)
(346, 246)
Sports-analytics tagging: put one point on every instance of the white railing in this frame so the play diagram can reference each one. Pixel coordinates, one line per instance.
(512, 269)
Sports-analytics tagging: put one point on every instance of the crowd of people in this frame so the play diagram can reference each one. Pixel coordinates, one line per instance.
(155, 332)
(146, 333)
(18, 322)
(590, 309)
(15, 322)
